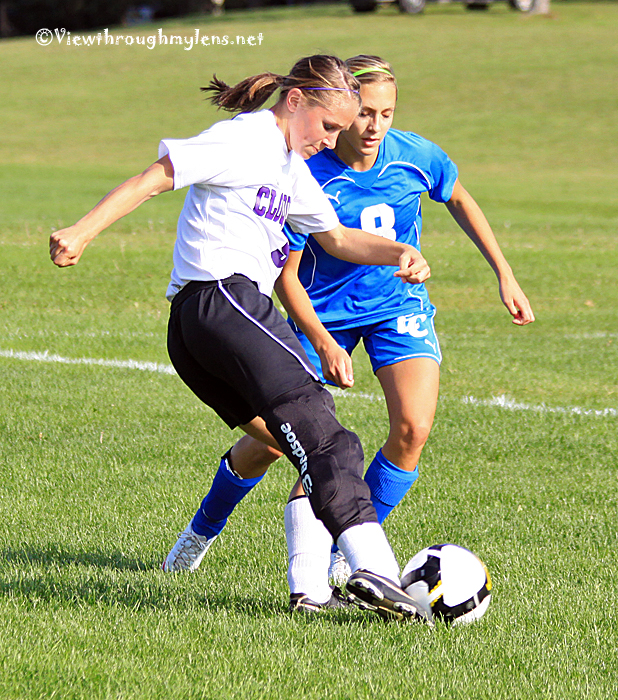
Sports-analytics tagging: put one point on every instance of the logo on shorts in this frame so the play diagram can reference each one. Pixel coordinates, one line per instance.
(411, 324)
(298, 451)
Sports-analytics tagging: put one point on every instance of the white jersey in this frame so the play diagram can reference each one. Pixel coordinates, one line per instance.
(244, 185)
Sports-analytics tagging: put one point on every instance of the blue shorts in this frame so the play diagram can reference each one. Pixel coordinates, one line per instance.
(386, 342)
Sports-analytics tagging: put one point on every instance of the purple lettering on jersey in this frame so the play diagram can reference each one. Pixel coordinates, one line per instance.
(277, 212)
(283, 215)
(258, 208)
(280, 208)
(280, 256)
(271, 207)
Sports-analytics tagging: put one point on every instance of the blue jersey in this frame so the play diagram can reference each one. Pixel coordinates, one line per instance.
(385, 200)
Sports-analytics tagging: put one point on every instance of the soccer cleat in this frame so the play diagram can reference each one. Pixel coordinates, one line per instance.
(369, 591)
(299, 602)
(339, 570)
(188, 552)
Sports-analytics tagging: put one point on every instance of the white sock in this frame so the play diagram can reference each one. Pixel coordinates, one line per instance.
(309, 544)
(365, 547)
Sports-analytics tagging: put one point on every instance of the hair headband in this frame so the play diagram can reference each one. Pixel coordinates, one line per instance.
(372, 70)
(331, 88)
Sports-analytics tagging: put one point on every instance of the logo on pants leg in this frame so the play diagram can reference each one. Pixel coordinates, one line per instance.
(298, 451)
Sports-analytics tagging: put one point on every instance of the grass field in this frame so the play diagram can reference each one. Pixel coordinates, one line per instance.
(102, 465)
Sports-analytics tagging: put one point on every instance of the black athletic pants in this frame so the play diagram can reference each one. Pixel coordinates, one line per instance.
(235, 351)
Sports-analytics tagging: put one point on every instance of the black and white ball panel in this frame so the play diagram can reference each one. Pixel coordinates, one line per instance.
(448, 582)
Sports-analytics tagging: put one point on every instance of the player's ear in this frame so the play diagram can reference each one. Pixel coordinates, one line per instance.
(293, 98)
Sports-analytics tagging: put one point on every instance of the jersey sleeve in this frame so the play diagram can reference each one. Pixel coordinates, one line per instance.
(443, 175)
(212, 158)
(310, 211)
(297, 240)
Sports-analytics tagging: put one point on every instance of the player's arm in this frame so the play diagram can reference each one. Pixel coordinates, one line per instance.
(67, 245)
(364, 248)
(336, 363)
(469, 216)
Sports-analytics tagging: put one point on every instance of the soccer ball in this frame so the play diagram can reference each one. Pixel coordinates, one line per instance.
(448, 583)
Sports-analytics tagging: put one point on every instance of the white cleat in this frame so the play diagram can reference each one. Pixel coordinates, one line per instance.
(339, 570)
(188, 552)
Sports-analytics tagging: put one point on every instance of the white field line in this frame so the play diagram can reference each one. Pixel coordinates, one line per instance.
(495, 401)
(512, 405)
(123, 364)
(347, 394)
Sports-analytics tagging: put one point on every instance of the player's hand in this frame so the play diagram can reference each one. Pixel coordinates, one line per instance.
(337, 365)
(516, 302)
(66, 246)
(413, 267)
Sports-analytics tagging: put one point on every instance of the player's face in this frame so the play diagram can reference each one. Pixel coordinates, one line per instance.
(313, 128)
(373, 121)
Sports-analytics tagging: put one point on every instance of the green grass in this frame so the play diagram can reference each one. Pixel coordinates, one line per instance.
(101, 467)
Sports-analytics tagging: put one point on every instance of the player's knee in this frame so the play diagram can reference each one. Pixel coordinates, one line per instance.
(339, 496)
(328, 457)
(250, 457)
(303, 423)
(265, 454)
(343, 452)
(351, 445)
(308, 412)
(412, 435)
(334, 483)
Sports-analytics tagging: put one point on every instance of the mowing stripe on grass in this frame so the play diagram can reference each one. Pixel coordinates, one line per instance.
(590, 336)
(496, 401)
(22, 334)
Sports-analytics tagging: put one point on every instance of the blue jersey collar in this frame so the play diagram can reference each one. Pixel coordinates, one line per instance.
(364, 178)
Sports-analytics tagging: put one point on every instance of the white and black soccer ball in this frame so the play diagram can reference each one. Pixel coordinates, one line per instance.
(448, 583)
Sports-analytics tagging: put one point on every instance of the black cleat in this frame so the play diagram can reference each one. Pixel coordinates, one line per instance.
(372, 592)
(299, 602)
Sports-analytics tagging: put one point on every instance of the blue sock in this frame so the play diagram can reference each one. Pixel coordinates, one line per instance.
(226, 492)
(388, 483)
